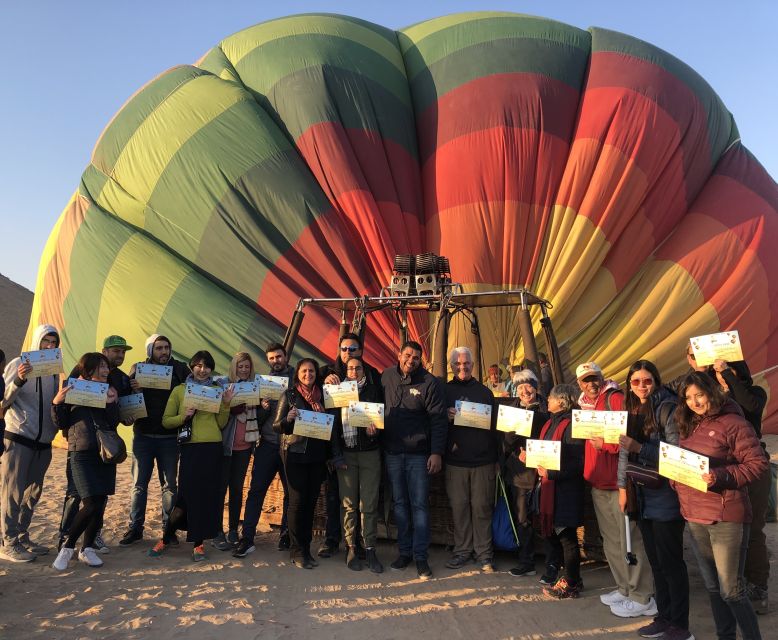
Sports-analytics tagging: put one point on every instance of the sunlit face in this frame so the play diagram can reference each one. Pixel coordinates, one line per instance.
(642, 384)
(101, 373)
(690, 358)
(463, 366)
(591, 385)
(349, 348)
(49, 341)
(160, 352)
(354, 370)
(554, 404)
(494, 376)
(306, 374)
(277, 360)
(697, 400)
(201, 371)
(243, 369)
(526, 393)
(409, 360)
(115, 356)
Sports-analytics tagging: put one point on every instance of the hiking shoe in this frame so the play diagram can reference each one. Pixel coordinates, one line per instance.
(631, 609)
(352, 560)
(676, 633)
(301, 560)
(361, 552)
(372, 561)
(198, 553)
(327, 549)
(487, 567)
(655, 629)
(245, 547)
(562, 589)
(89, 556)
(33, 547)
(17, 553)
(157, 550)
(64, 556)
(457, 562)
(284, 542)
(613, 597)
(100, 546)
(550, 576)
(423, 570)
(400, 562)
(131, 537)
(220, 543)
(232, 537)
(523, 570)
(758, 598)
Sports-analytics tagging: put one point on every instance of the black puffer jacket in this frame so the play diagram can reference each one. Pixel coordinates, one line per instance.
(568, 481)
(303, 449)
(514, 471)
(79, 424)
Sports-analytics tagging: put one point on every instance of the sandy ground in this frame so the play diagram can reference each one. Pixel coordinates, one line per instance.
(262, 596)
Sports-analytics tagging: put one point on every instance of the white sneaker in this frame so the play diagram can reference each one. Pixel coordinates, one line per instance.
(631, 609)
(87, 555)
(63, 558)
(100, 545)
(614, 597)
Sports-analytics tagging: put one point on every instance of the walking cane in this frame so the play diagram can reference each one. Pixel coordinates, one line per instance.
(631, 558)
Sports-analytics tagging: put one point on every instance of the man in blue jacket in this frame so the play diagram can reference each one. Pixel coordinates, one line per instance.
(414, 439)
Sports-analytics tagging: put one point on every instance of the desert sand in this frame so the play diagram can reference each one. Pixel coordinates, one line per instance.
(262, 596)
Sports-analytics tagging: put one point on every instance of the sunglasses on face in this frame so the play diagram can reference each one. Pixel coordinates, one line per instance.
(691, 355)
(351, 349)
(589, 379)
(642, 382)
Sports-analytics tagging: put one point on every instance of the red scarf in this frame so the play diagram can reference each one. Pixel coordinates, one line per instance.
(546, 485)
(312, 396)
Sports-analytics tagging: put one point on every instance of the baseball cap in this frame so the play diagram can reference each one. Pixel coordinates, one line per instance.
(116, 341)
(587, 369)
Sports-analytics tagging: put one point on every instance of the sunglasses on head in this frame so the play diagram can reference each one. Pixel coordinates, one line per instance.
(643, 382)
(350, 349)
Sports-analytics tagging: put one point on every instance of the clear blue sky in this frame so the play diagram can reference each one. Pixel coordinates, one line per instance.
(69, 66)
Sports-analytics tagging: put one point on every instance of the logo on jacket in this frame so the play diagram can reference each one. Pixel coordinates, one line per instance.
(415, 392)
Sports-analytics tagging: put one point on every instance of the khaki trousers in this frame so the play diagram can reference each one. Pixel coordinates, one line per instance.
(358, 484)
(471, 495)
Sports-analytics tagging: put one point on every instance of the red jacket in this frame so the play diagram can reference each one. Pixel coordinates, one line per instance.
(736, 459)
(601, 467)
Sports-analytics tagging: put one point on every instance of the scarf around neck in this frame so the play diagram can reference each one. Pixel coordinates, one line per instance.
(312, 396)
(558, 423)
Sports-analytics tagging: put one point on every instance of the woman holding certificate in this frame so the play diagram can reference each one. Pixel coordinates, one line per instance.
(651, 410)
(199, 410)
(94, 479)
(712, 425)
(357, 459)
(304, 456)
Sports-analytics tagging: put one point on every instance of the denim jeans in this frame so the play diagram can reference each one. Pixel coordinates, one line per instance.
(410, 492)
(720, 550)
(267, 462)
(145, 451)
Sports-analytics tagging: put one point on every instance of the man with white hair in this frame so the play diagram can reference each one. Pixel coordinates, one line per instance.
(471, 457)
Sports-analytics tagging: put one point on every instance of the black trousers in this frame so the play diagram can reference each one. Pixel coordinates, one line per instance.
(304, 482)
(663, 542)
(523, 519)
(564, 545)
(234, 469)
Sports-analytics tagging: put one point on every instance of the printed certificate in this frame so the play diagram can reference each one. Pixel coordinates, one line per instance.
(515, 420)
(683, 466)
(341, 395)
(473, 414)
(46, 362)
(717, 346)
(153, 376)
(543, 453)
(203, 397)
(87, 393)
(312, 424)
(132, 407)
(272, 387)
(607, 425)
(245, 393)
(364, 414)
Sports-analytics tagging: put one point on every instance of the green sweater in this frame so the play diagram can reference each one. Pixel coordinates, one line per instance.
(206, 427)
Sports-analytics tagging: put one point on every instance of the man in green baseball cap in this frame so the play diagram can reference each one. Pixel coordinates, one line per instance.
(115, 342)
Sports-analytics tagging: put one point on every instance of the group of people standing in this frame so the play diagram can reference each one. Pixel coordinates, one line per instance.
(201, 457)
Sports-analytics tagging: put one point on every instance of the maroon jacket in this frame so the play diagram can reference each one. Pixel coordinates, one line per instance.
(736, 458)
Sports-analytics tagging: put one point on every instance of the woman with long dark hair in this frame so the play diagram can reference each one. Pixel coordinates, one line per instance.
(198, 506)
(711, 424)
(94, 480)
(305, 459)
(651, 410)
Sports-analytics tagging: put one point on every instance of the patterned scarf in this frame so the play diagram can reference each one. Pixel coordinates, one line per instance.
(547, 487)
(312, 396)
(349, 432)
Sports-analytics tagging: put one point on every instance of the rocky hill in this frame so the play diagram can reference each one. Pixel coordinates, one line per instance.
(15, 307)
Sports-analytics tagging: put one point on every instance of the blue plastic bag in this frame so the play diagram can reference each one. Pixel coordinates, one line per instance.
(504, 535)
